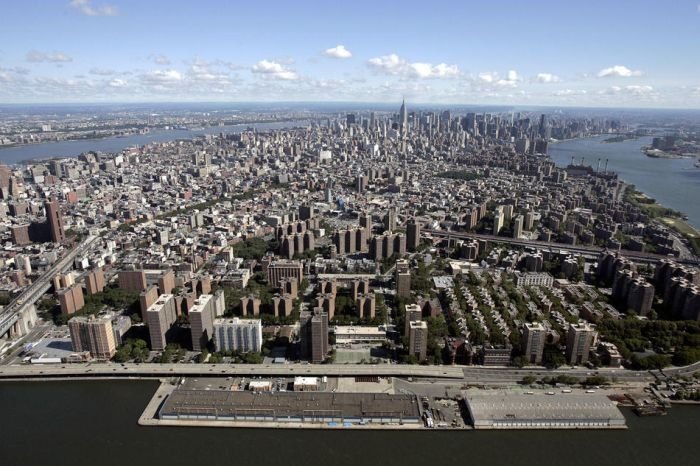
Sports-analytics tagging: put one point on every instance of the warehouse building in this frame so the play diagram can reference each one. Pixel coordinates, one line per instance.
(304, 407)
(507, 409)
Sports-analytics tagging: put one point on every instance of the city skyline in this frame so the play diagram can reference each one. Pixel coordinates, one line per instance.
(497, 54)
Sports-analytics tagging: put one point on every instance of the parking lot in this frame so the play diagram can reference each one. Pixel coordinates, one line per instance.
(358, 354)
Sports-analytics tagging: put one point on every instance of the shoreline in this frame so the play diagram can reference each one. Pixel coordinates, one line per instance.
(637, 189)
(660, 154)
(677, 223)
(152, 130)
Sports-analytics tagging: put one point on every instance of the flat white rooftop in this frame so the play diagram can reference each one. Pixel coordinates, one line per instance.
(511, 409)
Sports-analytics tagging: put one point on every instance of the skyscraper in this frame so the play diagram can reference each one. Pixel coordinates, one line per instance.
(518, 227)
(201, 321)
(403, 279)
(71, 299)
(403, 117)
(389, 220)
(534, 336)
(95, 281)
(418, 339)
(412, 235)
(413, 314)
(94, 335)
(314, 335)
(242, 335)
(160, 317)
(55, 221)
(579, 340)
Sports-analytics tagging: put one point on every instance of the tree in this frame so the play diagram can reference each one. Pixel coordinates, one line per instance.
(595, 380)
(528, 380)
(553, 357)
(253, 357)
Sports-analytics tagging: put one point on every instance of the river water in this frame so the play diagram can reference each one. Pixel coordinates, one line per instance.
(674, 183)
(16, 154)
(95, 423)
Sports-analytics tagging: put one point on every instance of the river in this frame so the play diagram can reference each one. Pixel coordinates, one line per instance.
(95, 422)
(16, 154)
(674, 183)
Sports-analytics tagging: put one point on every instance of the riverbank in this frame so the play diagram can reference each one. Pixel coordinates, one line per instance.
(659, 154)
(113, 144)
(420, 405)
(620, 138)
(671, 182)
(666, 216)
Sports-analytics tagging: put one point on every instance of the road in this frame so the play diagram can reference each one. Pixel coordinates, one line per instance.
(590, 250)
(34, 291)
(250, 370)
(480, 374)
(458, 374)
(37, 333)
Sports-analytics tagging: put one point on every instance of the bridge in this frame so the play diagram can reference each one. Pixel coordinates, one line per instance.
(20, 315)
(592, 251)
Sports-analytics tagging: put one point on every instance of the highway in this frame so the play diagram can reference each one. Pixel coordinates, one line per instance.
(578, 249)
(480, 374)
(464, 374)
(11, 314)
(98, 370)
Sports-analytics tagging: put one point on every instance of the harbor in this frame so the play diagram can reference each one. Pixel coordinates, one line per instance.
(379, 403)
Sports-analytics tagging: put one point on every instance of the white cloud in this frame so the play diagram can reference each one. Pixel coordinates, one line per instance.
(35, 56)
(547, 78)
(569, 92)
(12, 74)
(391, 64)
(339, 51)
(102, 71)
(638, 90)
(209, 72)
(618, 71)
(442, 70)
(273, 70)
(160, 59)
(488, 77)
(85, 7)
(394, 65)
(118, 83)
(162, 77)
(492, 77)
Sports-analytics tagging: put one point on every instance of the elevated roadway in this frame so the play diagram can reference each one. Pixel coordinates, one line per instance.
(461, 374)
(97, 370)
(592, 251)
(18, 316)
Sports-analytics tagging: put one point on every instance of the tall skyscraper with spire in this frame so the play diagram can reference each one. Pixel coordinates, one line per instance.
(403, 117)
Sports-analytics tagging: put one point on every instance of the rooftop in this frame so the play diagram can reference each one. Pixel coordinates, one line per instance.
(290, 404)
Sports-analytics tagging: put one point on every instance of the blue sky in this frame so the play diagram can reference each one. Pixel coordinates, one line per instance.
(585, 53)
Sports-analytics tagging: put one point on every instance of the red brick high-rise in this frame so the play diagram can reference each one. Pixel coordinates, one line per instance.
(55, 221)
